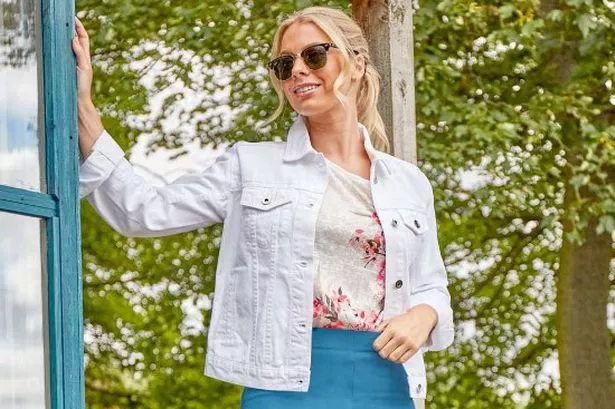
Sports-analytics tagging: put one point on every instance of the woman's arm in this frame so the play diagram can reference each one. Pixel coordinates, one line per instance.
(125, 200)
(135, 208)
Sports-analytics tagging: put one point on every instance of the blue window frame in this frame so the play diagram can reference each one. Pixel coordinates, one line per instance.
(51, 206)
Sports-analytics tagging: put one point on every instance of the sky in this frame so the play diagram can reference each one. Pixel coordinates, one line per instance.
(19, 143)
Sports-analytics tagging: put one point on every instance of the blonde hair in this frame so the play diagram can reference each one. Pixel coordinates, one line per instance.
(349, 38)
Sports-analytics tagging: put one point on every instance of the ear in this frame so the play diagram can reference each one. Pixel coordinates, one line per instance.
(359, 67)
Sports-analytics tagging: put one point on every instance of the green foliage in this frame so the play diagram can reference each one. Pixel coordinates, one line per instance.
(515, 95)
(519, 98)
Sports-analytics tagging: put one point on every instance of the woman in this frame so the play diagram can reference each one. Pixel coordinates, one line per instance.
(313, 307)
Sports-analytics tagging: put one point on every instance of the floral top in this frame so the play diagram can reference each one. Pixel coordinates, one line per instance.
(350, 249)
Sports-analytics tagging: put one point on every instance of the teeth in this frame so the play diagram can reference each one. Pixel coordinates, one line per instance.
(305, 89)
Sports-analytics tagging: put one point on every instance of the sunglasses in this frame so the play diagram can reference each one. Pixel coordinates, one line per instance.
(314, 56)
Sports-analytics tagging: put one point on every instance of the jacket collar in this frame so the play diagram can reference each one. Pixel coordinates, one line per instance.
(298, 142)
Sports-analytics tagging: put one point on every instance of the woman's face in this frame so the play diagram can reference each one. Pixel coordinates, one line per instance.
(310, 92)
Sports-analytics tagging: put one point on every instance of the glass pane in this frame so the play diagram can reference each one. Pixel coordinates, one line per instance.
(21, 147)
(22, 340)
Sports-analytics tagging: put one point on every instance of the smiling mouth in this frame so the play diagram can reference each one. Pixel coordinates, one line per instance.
(305, 90)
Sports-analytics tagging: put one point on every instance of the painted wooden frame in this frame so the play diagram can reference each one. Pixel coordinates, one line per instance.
(59, 207)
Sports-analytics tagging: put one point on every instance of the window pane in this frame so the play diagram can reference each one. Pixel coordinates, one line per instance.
(21, 147)
(22, 338)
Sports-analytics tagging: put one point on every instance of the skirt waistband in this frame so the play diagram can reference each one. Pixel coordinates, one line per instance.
(344, 339)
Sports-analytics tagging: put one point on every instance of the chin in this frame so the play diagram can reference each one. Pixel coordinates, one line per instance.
(313, 108)
(310, 112)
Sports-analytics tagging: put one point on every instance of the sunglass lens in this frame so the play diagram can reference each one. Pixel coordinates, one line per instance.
(315, 57)
(283, 67)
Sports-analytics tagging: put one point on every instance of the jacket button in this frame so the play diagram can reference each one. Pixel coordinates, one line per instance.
(303, 264)
(266, 201)
(418, 388)
(394, 223)
(416, 223)
(398, 283)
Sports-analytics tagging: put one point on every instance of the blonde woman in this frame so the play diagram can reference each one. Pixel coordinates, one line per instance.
(330, 285)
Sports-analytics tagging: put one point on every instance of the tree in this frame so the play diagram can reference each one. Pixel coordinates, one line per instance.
(519, 94)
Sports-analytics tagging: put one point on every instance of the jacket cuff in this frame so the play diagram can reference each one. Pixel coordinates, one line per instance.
(95, 169)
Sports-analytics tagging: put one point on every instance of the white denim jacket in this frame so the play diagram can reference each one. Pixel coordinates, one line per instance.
(268, 195)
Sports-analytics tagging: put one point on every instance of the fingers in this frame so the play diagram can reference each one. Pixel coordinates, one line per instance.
(394, 346)
(407, 355)
(81, 48)
(83, 41)
(382, 326)
(382, 341)
(82, 61)
(399, 352)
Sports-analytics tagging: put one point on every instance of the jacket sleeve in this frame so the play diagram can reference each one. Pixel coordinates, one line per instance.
(430, 286)
(135, 208)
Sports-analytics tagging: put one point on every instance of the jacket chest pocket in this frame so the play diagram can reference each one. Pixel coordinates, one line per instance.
(415, 226)
(266, 213)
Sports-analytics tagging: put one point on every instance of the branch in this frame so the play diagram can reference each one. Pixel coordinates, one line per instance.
(503, 267)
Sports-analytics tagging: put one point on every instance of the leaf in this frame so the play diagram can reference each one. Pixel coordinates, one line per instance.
(606, 224)
(555, 15)
(585, 23)
(507, 11)
(529, 29)
(608, 206)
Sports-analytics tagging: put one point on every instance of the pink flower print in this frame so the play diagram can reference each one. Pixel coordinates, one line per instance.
(335, 324)
(371, 250)
(379, 238)
(318, 308)
(356, 241)
(380, 276)
(339, 300)
(375, 217)
(373, 319)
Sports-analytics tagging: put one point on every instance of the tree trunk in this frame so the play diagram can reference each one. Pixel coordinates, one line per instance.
(387, 24)
(583, 338)
(582, 283)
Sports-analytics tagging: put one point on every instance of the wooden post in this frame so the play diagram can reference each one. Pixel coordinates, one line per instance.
(387, 24)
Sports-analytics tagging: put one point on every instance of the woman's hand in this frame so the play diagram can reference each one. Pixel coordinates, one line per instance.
(403, 335)
(90, 125)
(81, 48)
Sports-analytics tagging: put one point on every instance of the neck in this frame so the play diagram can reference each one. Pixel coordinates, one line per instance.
(338, 137)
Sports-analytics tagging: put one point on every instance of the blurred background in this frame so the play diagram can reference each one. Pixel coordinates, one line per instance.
(515, 111)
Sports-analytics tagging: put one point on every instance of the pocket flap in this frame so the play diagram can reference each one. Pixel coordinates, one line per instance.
(415, 220)
(264, 198)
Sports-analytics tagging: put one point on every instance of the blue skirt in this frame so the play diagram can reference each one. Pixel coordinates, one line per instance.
(346, 373)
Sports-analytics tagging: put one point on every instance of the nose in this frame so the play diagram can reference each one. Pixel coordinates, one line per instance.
(299, 67)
